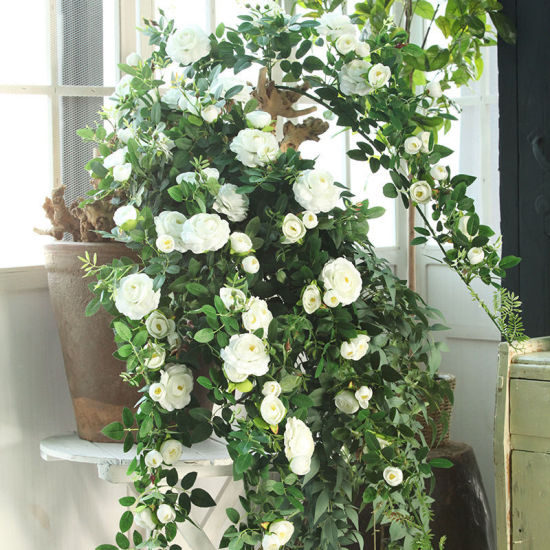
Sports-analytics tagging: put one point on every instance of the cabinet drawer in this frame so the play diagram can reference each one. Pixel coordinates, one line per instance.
(530, 407)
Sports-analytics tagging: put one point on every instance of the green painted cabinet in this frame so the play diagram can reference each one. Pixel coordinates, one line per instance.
(522, 446)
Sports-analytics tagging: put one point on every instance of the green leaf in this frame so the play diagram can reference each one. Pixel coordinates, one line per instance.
(93, 307)
(106, 547)
(313, 63)
(205, 382)
(128, 442)
(196, 289)
(440, 463)
(233, 515)
(220, 29)
(243, 462)
(127, 501)
(122, 541)
(123, 331)
(253, 227)
(389, 190)
(504, 26)
(321, 506)
(204, 335)
(509, 261)
(424, 9)
(199, 497)
(397, 531)
(418, 240)
(188, 480)
(176, 193)
(114, 430)
(127, 417)
(126, 521)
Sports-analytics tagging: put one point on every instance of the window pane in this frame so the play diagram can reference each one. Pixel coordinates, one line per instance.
(25, 43)
(184, 14)
(27, 177)
(227, 11)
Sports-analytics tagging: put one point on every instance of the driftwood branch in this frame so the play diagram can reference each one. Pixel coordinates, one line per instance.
(296, 134)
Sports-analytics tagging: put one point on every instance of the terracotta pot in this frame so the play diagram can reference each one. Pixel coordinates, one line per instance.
(97, 391)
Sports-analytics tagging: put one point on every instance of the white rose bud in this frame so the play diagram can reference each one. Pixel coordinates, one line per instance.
(144, 519)
(356, 348)
(363, 396)
(362, 49)
(475, 255)
(272, 410)
(393, 476)
(157, 391)
(283, 529)
(116, 158)
(379, 75)
(425, 138)
(463, 227)
(257, 316)
(210, 113)
(346, 43)
(158, 326)
(240, 243)
(166, 513)
(345, 401)
(271, 387)
(211, 173)
(330, 299)
(251, 264)
(300, 465)
(165, 243)
(342, 277)
(135, 297)
(188, 45)
(334, 25)
(309, 219)
(258, 119)
(171, 451)
(234, 205)
(153, 459)
(293, 229)
(439, 172)
(126, 217)
(125, 134)
(155, 357)
(299, 446)
(232, 298)
(270, 541)
(434, 89)
(421, 192)
(413, 145)
(122, 172)
(133, 59)
(171, 223)
(311, 298)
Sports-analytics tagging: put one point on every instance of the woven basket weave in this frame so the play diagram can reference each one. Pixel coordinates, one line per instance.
(440, 416)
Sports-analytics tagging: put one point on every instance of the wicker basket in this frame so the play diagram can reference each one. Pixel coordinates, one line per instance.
(440, 418)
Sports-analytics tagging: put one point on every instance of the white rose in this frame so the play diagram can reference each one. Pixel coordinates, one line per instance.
(475, 255)
(157, 391)
(257, 316)
(122, 172)
(356, 348)
(126, 215)
(299, 446)
(283, 529)
(254, 147)
(171, 97)
(345, 401)
(271, 387)
(144, 519)
(393, 476)
(204, 232)
(171, 223)
(293, 229)
(463, 227)
(311, 298)
(165, 243)
(122, 88)
(135, 297)
(153, 459)
(234, 205)
(309, 219)
(125, 134)
(240, 243)
(272, 410)
(334, 25)
(353, 78)
(251, 264)
(245, 355)
(270, 542)
(315, 191)
(155, 357)
(383, 442)
(225, 82)
(413, 145)
(346, 43)
(379, 75)
(158, 325)
(188, 177)
(133, 59)
(210, 113)
(342, 277)
(363, 396)
(211, 173)
(259, 119)
(166, 513)
(434, 89)
(171, 451)
(232, 298)
(425, 138)
(330, 299)
(188, 45)
(439, 172)
(116, 158)
(178, 382)
(421, 192)
(362, 49)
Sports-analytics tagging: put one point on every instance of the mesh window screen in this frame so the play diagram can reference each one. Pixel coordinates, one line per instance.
(80, 38)
(75, 113)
